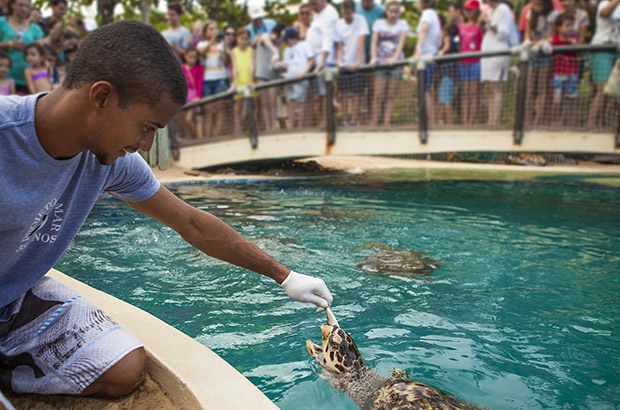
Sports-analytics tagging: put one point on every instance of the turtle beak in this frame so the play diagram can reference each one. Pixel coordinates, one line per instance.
(313, 349)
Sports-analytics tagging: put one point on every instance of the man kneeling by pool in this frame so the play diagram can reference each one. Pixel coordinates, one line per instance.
(58, 153)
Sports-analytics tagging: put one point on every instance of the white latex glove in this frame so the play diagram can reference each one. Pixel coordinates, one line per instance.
(304, 288)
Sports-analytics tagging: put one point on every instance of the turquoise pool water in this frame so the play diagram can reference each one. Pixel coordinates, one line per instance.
(523, 314)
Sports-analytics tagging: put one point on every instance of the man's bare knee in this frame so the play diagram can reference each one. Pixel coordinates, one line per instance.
(122, 378)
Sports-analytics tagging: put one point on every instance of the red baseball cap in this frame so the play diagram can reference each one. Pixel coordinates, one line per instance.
(472, 4)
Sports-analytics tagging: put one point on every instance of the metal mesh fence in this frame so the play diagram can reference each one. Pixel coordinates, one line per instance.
(562, 90)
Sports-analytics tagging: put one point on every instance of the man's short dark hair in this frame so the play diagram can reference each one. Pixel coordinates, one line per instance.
(134, 58)
(57, 2)
(348, 5)
(176, 7)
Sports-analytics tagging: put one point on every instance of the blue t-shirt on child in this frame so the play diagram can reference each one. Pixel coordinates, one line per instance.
(45, 201)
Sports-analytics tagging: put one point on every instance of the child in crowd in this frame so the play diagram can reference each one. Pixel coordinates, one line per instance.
(386, 46)
(196, 30)
(351, 32)
(450, 44)
(565, 68)
(215, 80)
(298, 61)
(56, 71)
(194, 73)
(582, 21)
(242, 75)
(469, 68)
(7, 85)
(37, 75)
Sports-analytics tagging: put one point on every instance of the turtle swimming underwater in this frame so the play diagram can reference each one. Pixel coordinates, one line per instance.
(386, 260)
(346, 371)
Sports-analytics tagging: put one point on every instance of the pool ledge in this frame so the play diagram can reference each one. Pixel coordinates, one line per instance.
(191, 374)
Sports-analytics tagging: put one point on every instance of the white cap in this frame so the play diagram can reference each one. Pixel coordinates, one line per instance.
(256, 12)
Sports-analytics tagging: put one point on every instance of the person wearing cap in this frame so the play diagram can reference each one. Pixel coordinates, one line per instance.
(469, 68)
(298, 61)
(258, 25)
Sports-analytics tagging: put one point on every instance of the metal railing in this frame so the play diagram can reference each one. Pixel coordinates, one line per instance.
(355, 101)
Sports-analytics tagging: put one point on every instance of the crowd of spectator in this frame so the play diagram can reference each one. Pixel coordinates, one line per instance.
(366, 32)
(35, 52)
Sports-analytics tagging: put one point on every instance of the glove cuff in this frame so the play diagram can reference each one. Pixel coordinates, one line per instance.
(288, 279)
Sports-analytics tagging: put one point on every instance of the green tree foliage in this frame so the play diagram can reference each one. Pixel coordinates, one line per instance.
(225, 12)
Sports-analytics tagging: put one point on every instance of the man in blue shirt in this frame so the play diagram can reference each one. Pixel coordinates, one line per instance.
(58, 153)
(259, 24)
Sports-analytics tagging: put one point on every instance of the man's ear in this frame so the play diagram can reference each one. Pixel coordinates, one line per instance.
(101, 93)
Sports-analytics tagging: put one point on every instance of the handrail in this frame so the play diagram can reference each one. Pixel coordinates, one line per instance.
(520, 97)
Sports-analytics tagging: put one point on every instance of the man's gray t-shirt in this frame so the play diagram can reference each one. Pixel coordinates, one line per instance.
(44, 201)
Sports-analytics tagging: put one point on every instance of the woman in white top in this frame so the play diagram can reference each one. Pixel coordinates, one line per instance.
(386, 46)
(601, 63)
(494, 70)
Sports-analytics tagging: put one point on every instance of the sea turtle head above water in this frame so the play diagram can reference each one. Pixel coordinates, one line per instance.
(338, 353)
(344, 368)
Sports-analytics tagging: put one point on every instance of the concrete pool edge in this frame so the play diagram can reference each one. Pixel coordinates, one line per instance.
(192, 375)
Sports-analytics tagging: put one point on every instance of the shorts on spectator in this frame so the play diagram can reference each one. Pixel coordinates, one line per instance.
(429, 72)
(389, 72)
(446, 90)
(565, 85)
(297, 91)
(470, 72)
(52, 341)
(351, 82)
(319, 86)
(601, 64)
(212, 87)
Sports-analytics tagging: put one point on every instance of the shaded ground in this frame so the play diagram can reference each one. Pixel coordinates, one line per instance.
(276, 168)
(149, 396)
